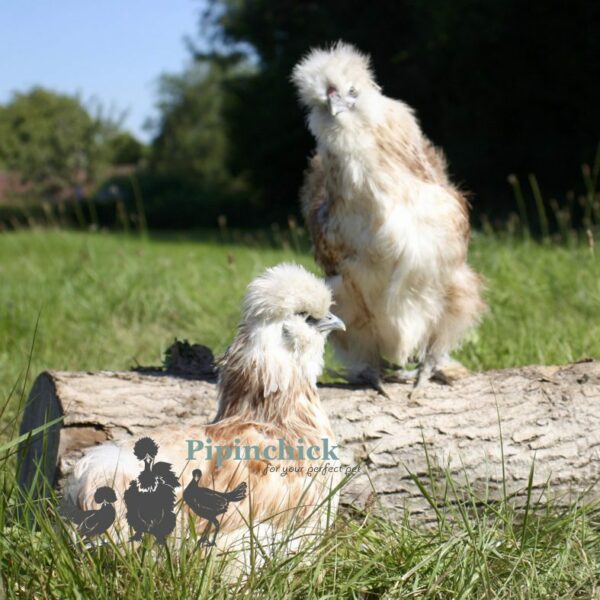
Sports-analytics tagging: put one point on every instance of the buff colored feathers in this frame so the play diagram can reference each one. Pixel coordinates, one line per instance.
(389, 229)
(266, 393)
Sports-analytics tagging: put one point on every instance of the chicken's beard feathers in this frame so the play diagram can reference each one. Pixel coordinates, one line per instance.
(264, 363)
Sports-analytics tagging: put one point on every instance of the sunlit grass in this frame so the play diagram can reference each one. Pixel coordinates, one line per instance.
(105, 301)
(111, 301)
(478, 549)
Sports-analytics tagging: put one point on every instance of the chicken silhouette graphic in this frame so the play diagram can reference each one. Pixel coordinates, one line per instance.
(91, 522)
(209, 504)
(150, 498)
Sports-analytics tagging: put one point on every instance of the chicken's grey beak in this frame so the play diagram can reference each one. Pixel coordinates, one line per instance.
(336, 104)
(329, 323)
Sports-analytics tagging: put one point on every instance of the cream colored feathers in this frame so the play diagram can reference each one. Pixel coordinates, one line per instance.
(266, 393)
(389, 229)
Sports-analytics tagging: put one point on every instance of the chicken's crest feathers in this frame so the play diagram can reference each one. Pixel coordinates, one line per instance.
(284, 290)
(105, 494)
(323, 66)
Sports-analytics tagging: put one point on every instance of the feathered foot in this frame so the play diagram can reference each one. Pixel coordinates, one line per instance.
(366, 377)
(203, 542)
(445, 370)
(450, 371)
(401, 375)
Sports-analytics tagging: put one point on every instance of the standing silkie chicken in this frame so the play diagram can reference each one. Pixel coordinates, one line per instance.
(389, 229)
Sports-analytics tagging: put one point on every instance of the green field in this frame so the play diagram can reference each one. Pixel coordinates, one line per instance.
(107, 301)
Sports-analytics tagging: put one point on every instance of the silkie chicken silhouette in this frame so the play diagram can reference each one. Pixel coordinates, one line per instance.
(150, 498)
(91, 522)
(209, 504)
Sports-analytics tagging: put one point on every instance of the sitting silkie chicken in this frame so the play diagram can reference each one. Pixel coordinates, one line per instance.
(267, 392)
(389, 229)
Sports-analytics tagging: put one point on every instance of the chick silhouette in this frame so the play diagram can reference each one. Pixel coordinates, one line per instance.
(91, 522)
(209, 504)
(150, 498)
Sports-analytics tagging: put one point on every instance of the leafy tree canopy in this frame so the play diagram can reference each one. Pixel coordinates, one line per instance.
(125, 149)
(504, 87)
(52, 140)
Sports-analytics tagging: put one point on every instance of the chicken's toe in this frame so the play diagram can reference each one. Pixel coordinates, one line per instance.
(450, 372)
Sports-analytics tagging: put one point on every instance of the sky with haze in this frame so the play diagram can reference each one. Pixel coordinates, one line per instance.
(111, 51)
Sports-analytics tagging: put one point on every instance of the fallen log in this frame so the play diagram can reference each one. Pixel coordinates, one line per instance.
(550, 414)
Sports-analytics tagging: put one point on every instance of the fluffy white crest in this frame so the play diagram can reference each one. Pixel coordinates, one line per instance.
(341, 66)
(282, 335)
(283, 291)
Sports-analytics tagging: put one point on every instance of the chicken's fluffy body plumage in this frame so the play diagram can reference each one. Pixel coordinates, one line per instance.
(266, 392)
(389, 229)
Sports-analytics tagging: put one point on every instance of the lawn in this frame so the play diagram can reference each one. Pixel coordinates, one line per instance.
(107, 301)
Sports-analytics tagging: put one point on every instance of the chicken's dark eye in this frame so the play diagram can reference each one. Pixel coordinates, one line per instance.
(353, 92)
(308, 318)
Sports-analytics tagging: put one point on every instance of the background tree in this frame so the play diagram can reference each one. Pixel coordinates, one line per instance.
(189, 179)
(125, 149)
(55, 143)
(504, 87)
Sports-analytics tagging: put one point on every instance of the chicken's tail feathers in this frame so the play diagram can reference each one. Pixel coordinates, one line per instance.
(238, 494)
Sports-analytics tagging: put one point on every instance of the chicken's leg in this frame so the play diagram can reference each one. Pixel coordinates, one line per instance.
(443, 368)
(137, 536)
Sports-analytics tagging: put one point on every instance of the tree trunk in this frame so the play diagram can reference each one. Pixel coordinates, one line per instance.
(547, 414)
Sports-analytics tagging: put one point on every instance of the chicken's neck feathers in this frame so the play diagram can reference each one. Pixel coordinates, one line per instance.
(253, 387)
(371, 157)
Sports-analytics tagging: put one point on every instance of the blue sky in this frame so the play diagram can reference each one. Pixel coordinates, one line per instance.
(113, 50)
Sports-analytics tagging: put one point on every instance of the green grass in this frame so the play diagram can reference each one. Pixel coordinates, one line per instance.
(109, 301)
(484, 553)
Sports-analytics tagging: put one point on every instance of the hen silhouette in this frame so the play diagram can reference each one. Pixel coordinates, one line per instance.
(209, 504)
(150, 498)
(91, 522)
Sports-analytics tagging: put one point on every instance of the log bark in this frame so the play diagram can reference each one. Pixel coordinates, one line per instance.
(550, 414)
